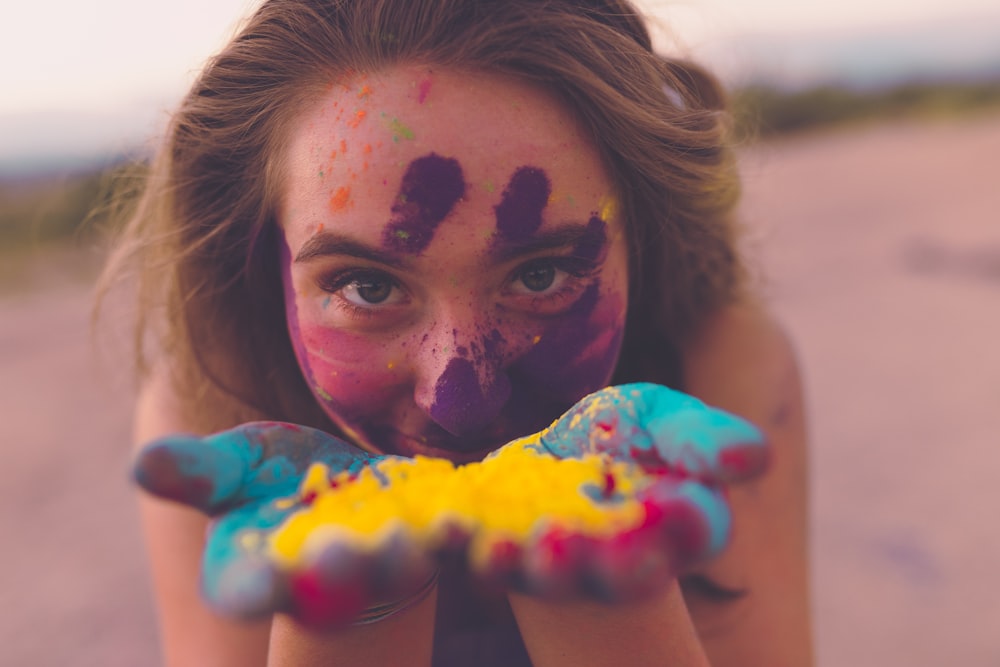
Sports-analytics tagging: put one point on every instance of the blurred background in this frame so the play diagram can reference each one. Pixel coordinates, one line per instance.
(870, 140)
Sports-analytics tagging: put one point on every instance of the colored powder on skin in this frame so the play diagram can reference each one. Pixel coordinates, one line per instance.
(519, 213)
(340, 199)
(461, 405)
(364, 92)
(607, 208)
(593, 244)
(423, 89)
(431, 186)
(399, 131)
(358, 117)
(565, 362)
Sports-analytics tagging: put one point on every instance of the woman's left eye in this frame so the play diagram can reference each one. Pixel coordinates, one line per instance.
(538, 278)
(548, 277)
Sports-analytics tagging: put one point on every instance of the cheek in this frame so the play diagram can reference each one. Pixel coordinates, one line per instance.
(349, 375)
(576, 354)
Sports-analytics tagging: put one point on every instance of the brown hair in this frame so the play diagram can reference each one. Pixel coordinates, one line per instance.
(202, 237)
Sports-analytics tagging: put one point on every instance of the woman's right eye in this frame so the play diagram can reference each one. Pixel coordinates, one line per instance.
(367, 292)
(364, 289)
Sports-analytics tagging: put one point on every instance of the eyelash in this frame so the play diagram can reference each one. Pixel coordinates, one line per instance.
(337, 281)
(575, 268)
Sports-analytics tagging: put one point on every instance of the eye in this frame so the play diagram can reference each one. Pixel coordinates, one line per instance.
(368, 291)
(364, 288)
(538, 278)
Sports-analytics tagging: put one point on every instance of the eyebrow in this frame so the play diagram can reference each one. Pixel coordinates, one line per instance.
(567, 234)
(331, 243)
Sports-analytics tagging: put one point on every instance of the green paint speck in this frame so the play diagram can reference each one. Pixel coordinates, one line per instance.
(322, 394)
(571, 200)
(402, 234)
(490, 187)
(399, 130)
(326, 302)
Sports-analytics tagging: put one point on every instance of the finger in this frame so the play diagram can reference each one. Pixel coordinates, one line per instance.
(238, 577)
(692, 519)
(693, 439)
(660, 428)
(332, 590)
(629, 566)
(254, 461)
(555, 563)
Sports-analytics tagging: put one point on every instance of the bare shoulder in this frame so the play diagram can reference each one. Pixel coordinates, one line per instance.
(752, 607)
(190, 633)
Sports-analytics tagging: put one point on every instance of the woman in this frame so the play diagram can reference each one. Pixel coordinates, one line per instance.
(431, 227)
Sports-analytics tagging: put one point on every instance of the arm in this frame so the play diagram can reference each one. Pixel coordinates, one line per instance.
(192, 633)
(742, 363)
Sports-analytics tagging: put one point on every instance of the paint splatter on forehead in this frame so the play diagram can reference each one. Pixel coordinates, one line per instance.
(431, 186)
(519, 213)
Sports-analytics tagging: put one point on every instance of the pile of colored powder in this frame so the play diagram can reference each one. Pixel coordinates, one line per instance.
(514, 495)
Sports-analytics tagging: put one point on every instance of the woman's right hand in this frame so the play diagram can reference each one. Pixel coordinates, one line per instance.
(247, 479)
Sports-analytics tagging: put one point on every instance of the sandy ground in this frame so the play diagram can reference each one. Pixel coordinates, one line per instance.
(881, 251)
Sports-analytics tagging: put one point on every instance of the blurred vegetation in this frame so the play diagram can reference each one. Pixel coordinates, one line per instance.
(763, 111)
(76, 210)
(64, 214)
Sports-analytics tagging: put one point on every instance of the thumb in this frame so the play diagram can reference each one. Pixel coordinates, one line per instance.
(254, 461)
(211, 473)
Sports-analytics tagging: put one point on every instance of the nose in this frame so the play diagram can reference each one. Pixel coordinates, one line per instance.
(461, 383)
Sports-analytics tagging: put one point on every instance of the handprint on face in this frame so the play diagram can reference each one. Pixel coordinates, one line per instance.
(496, 374)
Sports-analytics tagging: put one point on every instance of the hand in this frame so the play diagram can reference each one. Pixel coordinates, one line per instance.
(247, 478)
(621, 493)
(690, 452)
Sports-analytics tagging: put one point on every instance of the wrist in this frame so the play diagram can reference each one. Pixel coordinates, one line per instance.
(381, 611)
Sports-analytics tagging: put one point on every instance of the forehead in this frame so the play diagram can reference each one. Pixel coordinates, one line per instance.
(358, 138)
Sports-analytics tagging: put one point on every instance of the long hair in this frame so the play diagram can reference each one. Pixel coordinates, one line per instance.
(202, 238)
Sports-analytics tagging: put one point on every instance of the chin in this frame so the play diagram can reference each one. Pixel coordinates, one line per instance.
(433, 442)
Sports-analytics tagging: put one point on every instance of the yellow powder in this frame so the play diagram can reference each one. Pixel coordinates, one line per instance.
(513, 494)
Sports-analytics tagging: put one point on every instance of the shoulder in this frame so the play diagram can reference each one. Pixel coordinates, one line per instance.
(755, 608)
(742, 359)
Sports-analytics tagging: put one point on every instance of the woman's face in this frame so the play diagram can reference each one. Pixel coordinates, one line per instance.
(455, 271)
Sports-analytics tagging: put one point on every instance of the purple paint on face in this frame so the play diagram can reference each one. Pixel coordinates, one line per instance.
(460, 404)
(574, 357)
(431, 186)
(291, 311)
(519, 213)
(594, 242)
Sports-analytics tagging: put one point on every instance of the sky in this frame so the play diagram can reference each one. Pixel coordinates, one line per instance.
(104, 72)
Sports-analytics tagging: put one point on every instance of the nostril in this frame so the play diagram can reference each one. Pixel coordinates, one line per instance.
(462, 404)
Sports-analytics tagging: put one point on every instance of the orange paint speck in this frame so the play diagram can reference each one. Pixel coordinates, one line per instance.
(340, 199)
(364, 92)
(367, 148)
(343, 146)
(358, 117)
